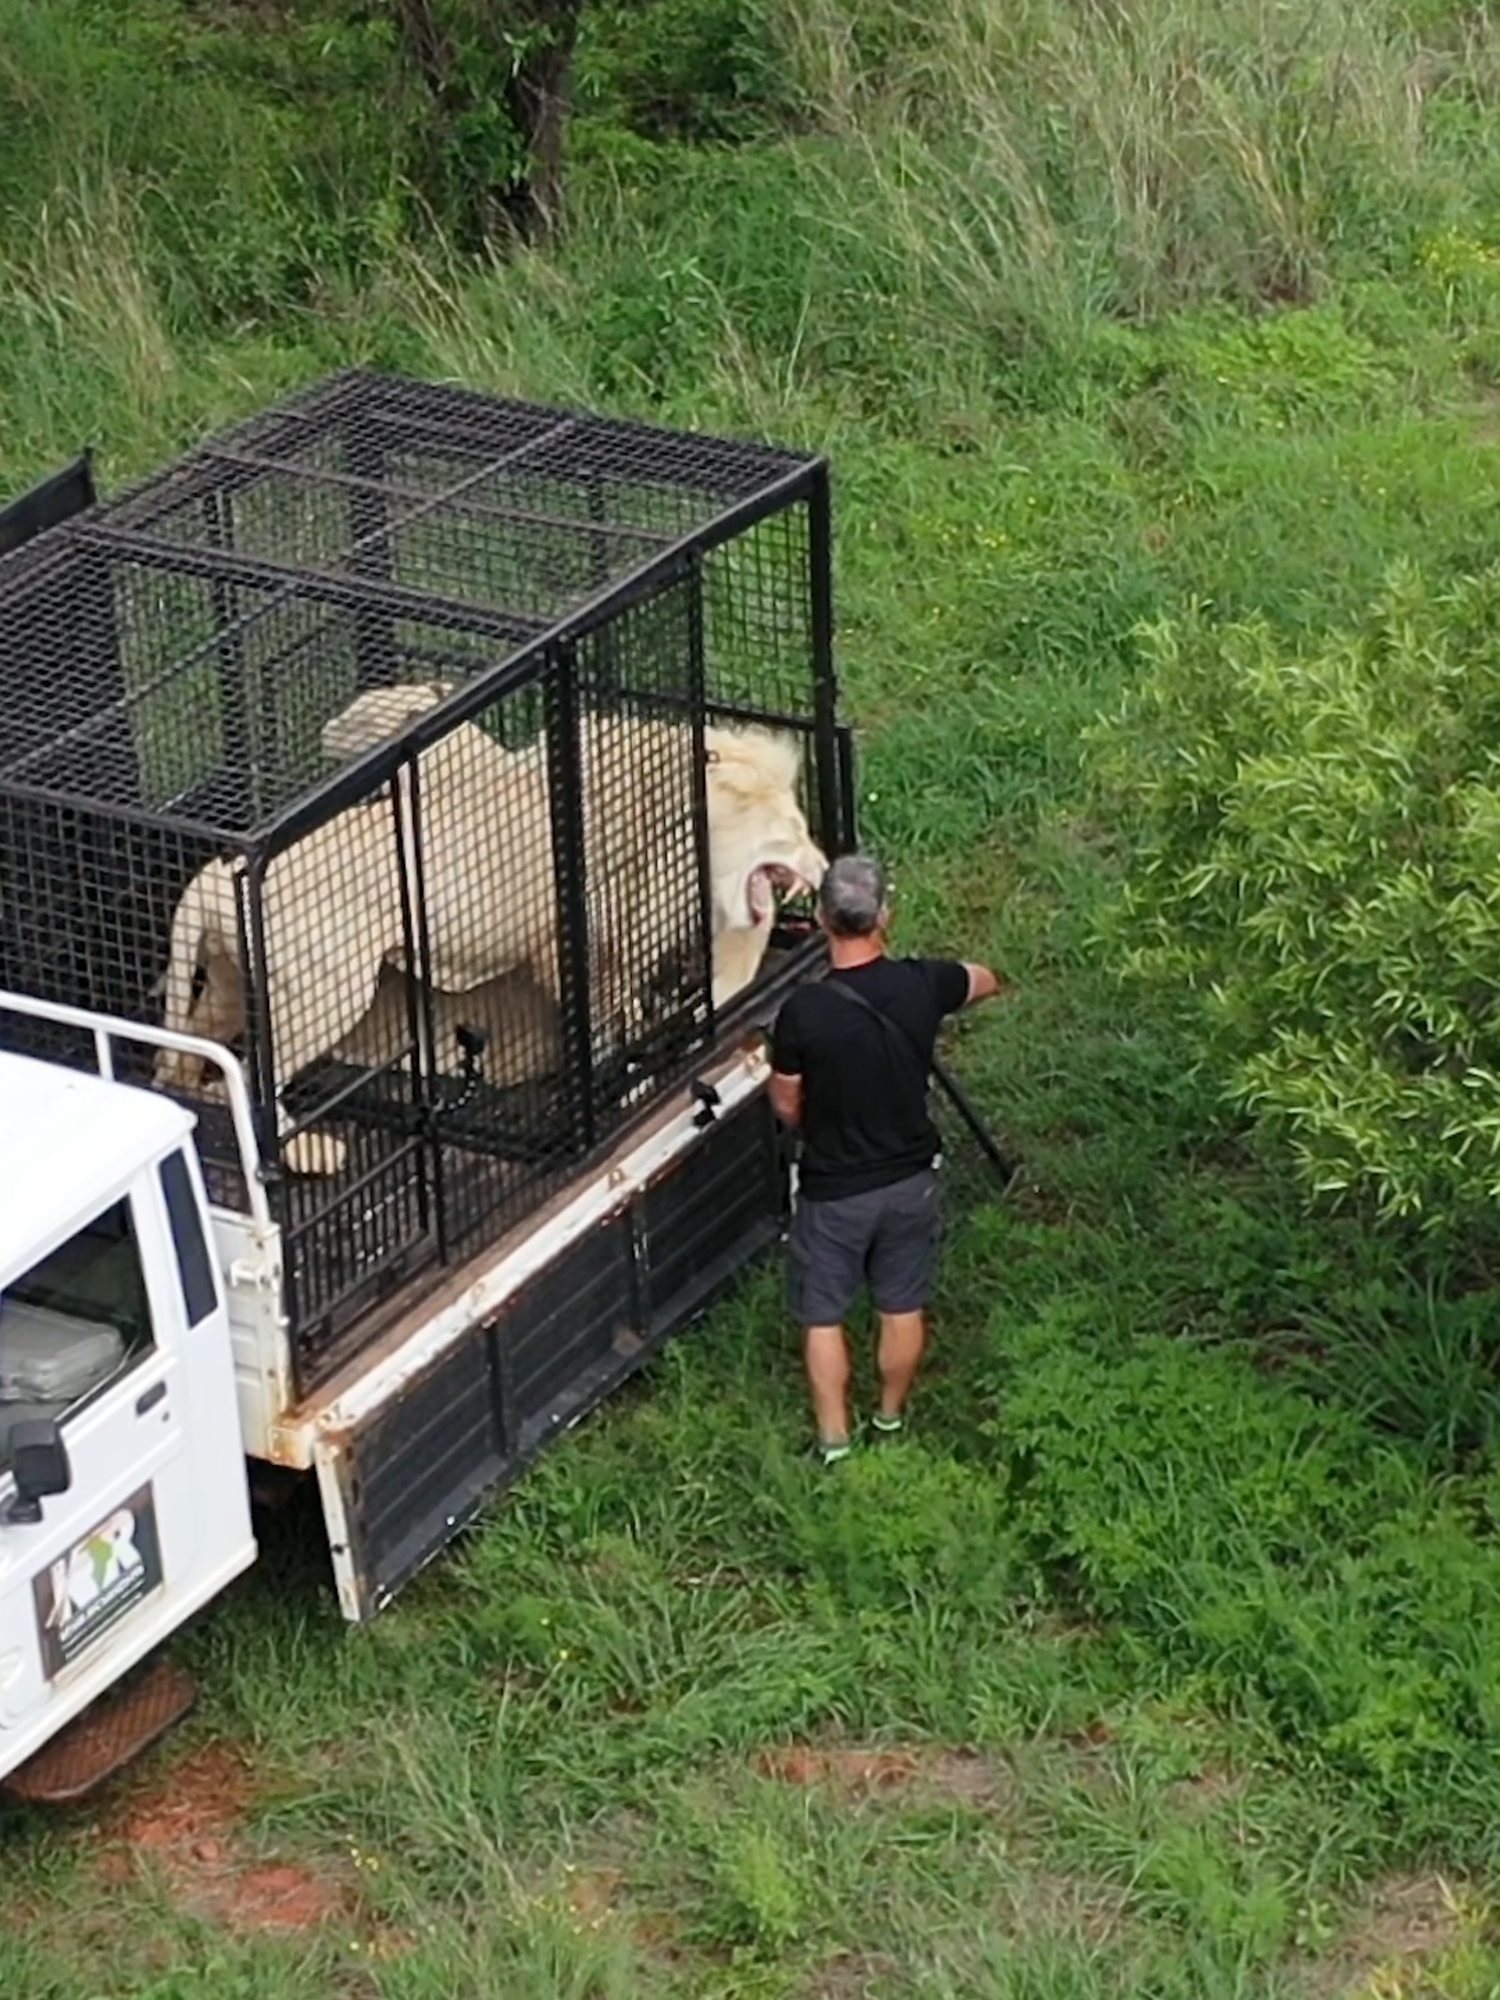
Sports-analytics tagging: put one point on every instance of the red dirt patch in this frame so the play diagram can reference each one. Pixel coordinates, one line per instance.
(845, 1770)
(598, 1894)
(1205, 1789)
(592, 1896)
(1091, 1735)
(184, 1827)
(957, 1774)
(964, 1774)
(200, 1796)
(272, 1898)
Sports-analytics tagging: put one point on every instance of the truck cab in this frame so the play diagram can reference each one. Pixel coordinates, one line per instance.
(123, 1497)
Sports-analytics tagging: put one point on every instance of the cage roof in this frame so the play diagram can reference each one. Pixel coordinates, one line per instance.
(221, 597)
(410, 450)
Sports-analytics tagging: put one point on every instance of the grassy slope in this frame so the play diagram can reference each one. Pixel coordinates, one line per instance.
(1215, 1648)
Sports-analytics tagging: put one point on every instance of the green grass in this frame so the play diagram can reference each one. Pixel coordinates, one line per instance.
(1160, 1661)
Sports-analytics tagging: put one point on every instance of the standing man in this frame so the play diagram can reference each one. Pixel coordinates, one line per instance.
(851, 1056)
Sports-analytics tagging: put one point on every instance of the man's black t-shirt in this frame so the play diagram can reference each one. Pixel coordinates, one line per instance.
(865, 1122)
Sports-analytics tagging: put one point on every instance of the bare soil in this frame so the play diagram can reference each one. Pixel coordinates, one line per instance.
(182, 1826)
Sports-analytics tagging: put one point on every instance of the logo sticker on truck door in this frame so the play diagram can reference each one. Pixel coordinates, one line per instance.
(97, 1582)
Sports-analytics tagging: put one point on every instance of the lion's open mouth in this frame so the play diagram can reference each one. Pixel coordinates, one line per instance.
(769, 882)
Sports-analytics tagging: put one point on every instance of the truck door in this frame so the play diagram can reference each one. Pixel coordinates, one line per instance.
(119, 1335)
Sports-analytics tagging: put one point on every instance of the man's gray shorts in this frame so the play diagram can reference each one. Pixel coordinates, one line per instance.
(887, 1238)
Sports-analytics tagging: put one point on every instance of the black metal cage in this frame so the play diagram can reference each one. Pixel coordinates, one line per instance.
(391, 738)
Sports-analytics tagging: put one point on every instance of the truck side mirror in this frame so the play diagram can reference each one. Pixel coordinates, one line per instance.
(39, 1465)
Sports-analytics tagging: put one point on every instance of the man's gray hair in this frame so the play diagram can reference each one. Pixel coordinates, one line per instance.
(851, 896)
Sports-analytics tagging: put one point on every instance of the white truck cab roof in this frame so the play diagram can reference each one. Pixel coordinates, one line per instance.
(69, 1143)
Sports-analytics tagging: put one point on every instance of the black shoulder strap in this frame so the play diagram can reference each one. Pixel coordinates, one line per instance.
(1008, 1170)
(906, 1041)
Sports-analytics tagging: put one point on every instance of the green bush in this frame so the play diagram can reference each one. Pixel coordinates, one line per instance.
(1315, 832)
(1267, 1545)
(902, 1526)
(1148, 1475)
(684, 69)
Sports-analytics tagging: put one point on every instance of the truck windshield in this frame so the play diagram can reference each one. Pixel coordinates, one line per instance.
(72, 1323)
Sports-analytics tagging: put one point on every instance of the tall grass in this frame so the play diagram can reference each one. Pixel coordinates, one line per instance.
(971, 191)
(1035, 164)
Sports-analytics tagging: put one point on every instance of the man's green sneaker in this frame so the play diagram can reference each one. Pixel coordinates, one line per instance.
(833, 1451)
(887, 1427)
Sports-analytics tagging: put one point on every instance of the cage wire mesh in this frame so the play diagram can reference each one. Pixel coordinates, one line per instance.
(369, 739)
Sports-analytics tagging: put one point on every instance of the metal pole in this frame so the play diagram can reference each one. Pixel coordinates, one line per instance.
(565, 785)
(825, 681)
(964, 1105)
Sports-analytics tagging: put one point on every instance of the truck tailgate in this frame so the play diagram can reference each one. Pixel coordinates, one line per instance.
(454, 1407)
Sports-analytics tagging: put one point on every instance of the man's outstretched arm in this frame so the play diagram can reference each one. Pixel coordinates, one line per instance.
(984, 984)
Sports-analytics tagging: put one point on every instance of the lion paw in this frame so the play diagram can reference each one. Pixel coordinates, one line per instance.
(174, 1069)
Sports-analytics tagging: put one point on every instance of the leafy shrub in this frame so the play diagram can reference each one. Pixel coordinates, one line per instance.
(1315, 837)
(1269, 1547)
(1149, 1475)
(903, 1525)
(1289, 367)
(755, 1896)
(683, 69)
(653, 328)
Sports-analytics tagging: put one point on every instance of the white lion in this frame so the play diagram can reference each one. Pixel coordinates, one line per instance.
(519, 1020)
(333, 906)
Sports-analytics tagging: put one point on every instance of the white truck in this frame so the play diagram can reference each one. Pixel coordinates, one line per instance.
(144, 1365)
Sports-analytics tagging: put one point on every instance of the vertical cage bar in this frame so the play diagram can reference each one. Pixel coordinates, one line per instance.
(406, 816)
(370, 552)
(565, 782)
(598, 537)
(697, 694)
(836, 838)
(848, 786)
(259, 1045)
(241, 706)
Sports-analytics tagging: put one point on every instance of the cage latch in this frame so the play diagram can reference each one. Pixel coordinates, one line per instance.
(708, 1099)
(472, 1043)
(454, 1094)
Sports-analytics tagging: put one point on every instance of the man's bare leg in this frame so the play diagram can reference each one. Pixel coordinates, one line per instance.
(828, 1378)
(903, 1340)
